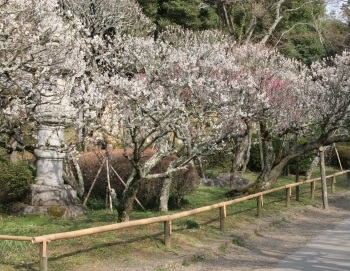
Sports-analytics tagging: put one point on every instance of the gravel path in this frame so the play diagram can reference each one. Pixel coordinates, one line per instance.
(262, 244)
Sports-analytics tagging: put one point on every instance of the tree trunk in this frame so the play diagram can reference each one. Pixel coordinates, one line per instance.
(239, 153)
(200, 165)
(270, 174)
(72, 175)
(129, 194)
(247, 153)
(277, 19)
(268, 158)
(323, 178)
(261, 150)
(297, 188)
(80, 188)
(165, 194)
(134, 182)
(14, 154)
(313, 165)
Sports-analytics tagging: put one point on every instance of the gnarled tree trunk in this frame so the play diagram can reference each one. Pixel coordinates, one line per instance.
(165, 194)
(240, 155)
(72, 174)
(129, 195)
(270, 174)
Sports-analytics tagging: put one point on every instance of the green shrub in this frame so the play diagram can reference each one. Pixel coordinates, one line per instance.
(96, 203)
(304, 163)
(185, 182)
(15, 181)
(220, 160)
(56, 211)
(212, 173)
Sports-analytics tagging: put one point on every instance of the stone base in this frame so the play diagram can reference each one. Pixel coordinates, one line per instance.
(46, 195)
(70, 211)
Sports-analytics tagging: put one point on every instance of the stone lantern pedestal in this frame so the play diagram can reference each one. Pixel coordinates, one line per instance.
(49, 191)
(49, 188)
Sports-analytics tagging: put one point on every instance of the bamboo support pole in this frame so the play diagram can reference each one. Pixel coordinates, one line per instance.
(297, 193)
(120, 179)
(312, 189)
(334, 181)
(288, 195)
(259, 200)
(167, 233)
(109, 186)
(43, 255)
(103, 160)
(297, 188)
(323, 178)
(222, 214)
(93, 182)
(336, 151)
(16, 238)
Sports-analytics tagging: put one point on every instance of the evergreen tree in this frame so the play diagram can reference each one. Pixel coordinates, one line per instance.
(289, 25)
(337, 36)
(191, 14)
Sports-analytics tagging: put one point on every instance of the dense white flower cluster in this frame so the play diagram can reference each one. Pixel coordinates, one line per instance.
(184, 89)
(38, 52)
(204, 77)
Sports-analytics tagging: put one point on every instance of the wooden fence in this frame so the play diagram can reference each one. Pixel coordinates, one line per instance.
(167, 219)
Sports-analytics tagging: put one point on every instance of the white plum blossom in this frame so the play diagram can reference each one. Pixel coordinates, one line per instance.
(38, 51)
(184, 93)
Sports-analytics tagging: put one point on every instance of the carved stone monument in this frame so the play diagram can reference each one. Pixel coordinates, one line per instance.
(53, 114)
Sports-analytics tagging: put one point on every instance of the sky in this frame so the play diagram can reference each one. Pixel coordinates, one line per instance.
(334, 6)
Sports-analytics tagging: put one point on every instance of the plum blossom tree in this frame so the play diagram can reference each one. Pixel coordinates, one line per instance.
(210, 89)
(184, 93)
(105, 18)
(38, 51)
(270, 87)
(327, 109)
(107, 24)
(283, 83)
(307, 103)
(179, 98)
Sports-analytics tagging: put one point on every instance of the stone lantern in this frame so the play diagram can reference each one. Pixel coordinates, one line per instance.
(53, 114)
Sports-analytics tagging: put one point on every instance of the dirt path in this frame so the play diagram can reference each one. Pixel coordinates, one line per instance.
(259, 246)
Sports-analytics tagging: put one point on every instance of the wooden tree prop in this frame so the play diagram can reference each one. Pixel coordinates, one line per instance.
(109, 201)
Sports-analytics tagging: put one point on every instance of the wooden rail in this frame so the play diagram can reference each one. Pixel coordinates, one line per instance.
(16, 238)
(167, 219)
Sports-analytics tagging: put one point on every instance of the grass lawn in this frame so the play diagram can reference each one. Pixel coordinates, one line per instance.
(201, 228)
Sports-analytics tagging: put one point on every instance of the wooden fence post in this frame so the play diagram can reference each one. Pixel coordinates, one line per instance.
(323, 178)
(222, 214)
(297, 188)
(167, 233)
(312, 190)
(43, 256)
(334, 181)
(259, 204)
(288, 194)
